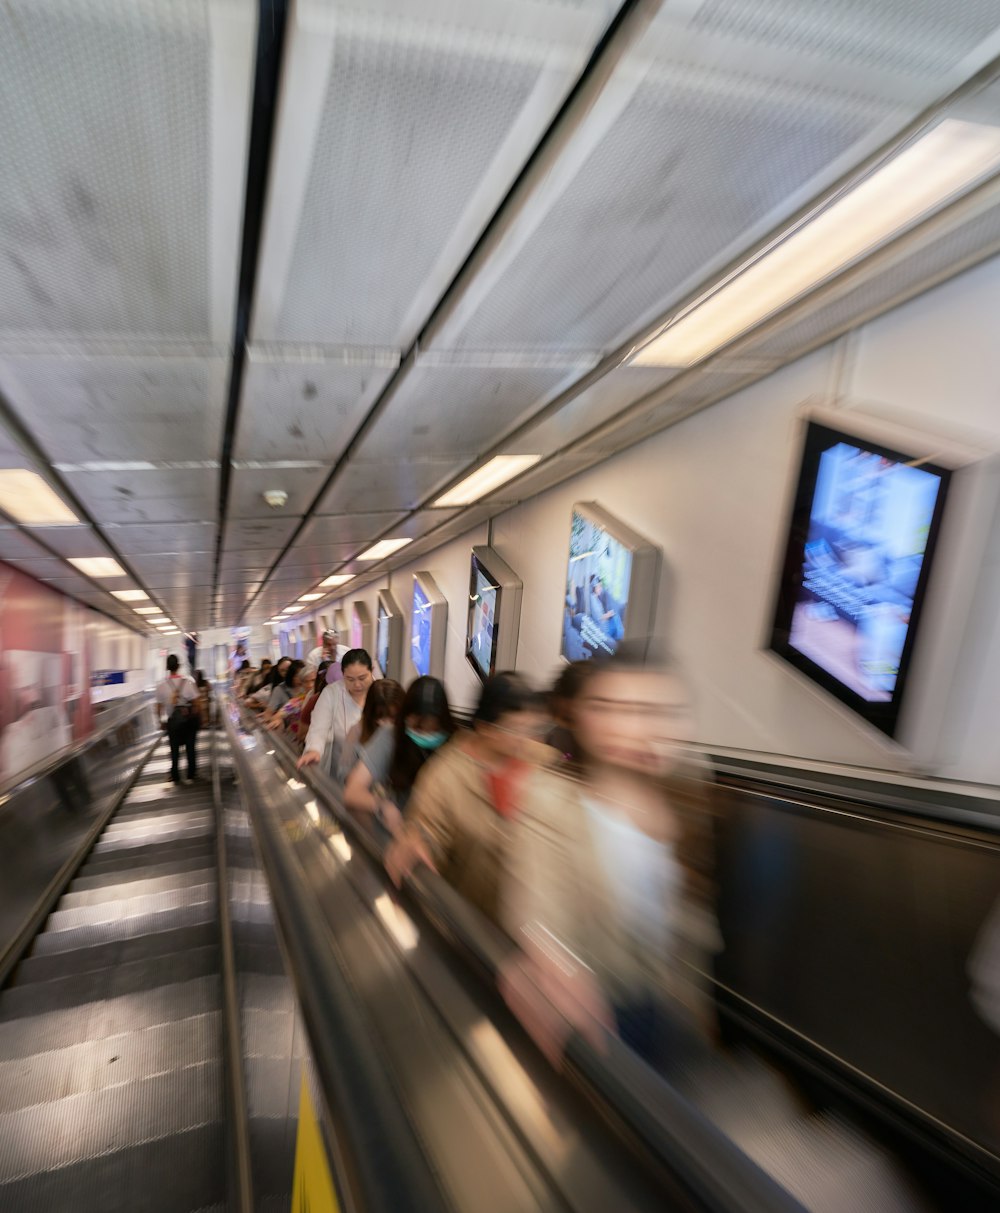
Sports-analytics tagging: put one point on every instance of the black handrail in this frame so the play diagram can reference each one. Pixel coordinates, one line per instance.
(677, 1139)
(381, 1162)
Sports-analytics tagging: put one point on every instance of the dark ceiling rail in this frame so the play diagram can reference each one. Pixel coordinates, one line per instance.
(272, 20)
(622, 33)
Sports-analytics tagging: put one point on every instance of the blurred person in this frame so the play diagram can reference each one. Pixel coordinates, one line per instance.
(260, 700)
(242, 677)
(329, 649)
(609, 886)
(338, 710)
(175, 699)
(237, 657)
(563, 700)
(285, 689)
(388, 764)
(318, 687)
(462, 804)
(605, 610)
(378, 719)
(256, 678)
(287, 718)
(203, 704)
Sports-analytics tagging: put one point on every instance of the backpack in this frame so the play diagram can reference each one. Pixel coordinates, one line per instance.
(180, 712)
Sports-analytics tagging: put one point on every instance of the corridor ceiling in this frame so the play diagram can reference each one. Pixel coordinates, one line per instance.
(352, 251)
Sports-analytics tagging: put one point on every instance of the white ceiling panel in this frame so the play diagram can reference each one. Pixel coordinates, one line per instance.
(163, 538)
(349, 528)
(400, 484)
(593, 406)
(71, 540)
(128, 123)
(15, 544)
(39, 566)
(247, 558)
(305, 409)
(105, 409)
(241, 577)
(161, 495)
(249, 485)
(455, 411)
(258, 533)
(429, 109)
(153, 569)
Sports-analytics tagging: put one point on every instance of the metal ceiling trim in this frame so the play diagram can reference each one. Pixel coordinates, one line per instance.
(271, 24)
(631, 21)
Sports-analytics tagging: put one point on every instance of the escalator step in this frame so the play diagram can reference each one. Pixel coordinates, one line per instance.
(121, 951)
(142, 886)
(95, 1064)
(203, 858)
(139, 857)
(183, 1172)
(24, 1036)
(131, 906)
(188, 914)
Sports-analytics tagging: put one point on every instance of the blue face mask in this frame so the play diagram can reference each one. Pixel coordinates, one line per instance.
(427, 741)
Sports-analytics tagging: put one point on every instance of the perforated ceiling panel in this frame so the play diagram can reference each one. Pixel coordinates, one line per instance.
(147, 496)
(455, 412)
(106, 109)
(657, 200)
(365, 486)
(919, 36)
(304, 410)
(105, 409)
(425, 116)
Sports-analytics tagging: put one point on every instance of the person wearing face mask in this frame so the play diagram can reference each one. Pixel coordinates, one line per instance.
(337, 711)
(383, 777)
(464, 799)
(609, 884)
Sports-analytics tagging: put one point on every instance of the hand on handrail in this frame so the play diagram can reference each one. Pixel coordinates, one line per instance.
(406, 853)
(308, 759)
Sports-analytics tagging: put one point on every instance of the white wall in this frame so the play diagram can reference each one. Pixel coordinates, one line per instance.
(713, 493)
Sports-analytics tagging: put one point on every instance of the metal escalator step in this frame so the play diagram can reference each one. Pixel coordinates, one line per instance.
(267, 1033)
(95, 1064)
(180, 832)
(202, 860)
(67, 1131)
(58, 965)
(155, 823)
(101, 984)
(143, 886)
(131, 906)
(155, 853)
(22, 1037)
(182, 1172)
(187, 914)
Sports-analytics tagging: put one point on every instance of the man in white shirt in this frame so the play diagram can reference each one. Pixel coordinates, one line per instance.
(328, 650)
(175, 698)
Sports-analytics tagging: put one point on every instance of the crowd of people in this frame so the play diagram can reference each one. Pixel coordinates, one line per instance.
(573, 819)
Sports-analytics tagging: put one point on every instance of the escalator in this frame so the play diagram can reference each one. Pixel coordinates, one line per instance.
(111, 1028)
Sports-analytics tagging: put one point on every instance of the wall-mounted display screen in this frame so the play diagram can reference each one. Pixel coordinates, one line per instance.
(610, 585)
(483, 607)
(382, 639)
(860, 546)
(494, 614)
(357, 632)
(420, 630)
(389, 636)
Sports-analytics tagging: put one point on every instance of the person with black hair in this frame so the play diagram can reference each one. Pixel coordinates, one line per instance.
(563, 699)
(388, 764)
(465, 797)
(260, 700)
(337, 711)
(175, 699)
(285, 690)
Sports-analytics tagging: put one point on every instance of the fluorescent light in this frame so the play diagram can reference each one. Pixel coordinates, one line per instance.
(29, 499)
(487, 478)
(146, 610)
(169, 629)
(162, 619)
(130, 595)
(338, 579)
(917, 181)
(384, 547)
(97, 566)
(311, 597)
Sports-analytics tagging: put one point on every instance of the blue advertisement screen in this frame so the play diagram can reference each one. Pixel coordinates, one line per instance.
(382, 642)
(864, 527)
(420, 631)
(482, 622)
(597, 590)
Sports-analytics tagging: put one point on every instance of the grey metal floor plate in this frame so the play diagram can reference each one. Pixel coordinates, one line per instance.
(201, 859)
(57, 965)
(143, 886)
(127, 928)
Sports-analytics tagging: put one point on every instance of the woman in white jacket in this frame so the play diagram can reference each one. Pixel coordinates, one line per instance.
(337, 711)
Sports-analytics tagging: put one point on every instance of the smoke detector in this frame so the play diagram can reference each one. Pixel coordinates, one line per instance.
(275, 498)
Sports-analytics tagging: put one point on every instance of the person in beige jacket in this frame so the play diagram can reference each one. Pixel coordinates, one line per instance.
(608, 882)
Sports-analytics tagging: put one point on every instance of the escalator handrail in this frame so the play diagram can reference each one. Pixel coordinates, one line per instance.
(383, 1164)
(52, 762)
(675, 1136)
